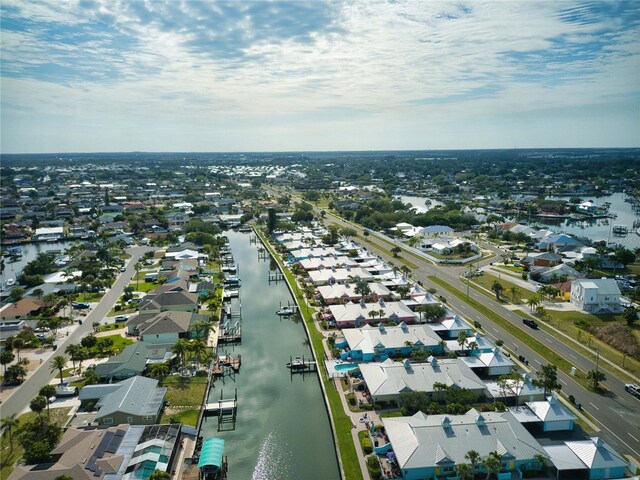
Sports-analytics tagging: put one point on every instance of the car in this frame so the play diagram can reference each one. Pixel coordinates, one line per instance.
(530, 323)
(123, 269)
(81, 306)
(633, 389)
(121, 318)
(51, 399)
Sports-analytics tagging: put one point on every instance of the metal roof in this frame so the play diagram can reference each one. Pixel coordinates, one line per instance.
(211, 454)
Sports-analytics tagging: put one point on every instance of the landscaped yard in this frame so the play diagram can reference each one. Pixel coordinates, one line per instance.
(88, 297)
(486, 281)
(10, 453)
(143, 286)
(187, 417)
(184, 392)
(114, 313)
(112, 326)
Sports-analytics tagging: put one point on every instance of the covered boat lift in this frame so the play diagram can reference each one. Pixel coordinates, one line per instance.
(212, 463)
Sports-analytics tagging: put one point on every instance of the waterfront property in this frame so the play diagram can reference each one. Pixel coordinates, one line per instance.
(371, 343)
(345, 292)
(133, 360)
(356, 314)
(163, 328)
(430, 446)
(328, 276)
(137, 400)
(387, 381)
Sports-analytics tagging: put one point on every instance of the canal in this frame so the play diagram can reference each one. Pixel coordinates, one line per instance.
(282, 429)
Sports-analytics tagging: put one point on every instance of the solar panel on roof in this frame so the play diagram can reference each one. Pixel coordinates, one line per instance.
(103, 445)
(114, 444)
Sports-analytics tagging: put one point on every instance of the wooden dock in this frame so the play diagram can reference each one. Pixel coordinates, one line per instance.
(276, 276)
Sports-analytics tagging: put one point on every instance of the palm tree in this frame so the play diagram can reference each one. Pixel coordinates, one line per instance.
(373, 314)
(473, 457)
(18, 344)
(497, 287)
(464, 471)
(198, 349)
(9, 423)
(159, 370)
(159, 475)
(541, 459)
(201, 328)
(533, 301)
(462, 339)
(37, 293)
(58, 363)
(47, 391)
(492, 463)
(514, 291)
(73, 351)
(181, 348)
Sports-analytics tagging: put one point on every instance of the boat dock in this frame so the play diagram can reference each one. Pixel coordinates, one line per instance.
(301, 365)
(226, 409)
(276, 276)
(230, 331)
(226, 362)
(620, 230)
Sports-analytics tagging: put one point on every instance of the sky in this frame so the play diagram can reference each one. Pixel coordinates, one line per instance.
(180, 75)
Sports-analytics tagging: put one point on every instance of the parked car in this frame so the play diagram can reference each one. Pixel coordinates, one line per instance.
(633, 389)
(530, 323)
(81, 306)
(121, 318)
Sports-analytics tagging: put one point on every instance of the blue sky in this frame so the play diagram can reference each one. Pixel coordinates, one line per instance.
(181, 75)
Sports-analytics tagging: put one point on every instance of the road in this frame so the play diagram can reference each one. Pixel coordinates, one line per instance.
(617, 412)
(21, 397)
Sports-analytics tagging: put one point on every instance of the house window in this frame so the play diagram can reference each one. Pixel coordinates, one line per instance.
(129, 419)
(147, 417)
(107, 421)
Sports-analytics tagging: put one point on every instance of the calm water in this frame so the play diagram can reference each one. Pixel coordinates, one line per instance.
(282, 430)
(29, 252)
(600, 229)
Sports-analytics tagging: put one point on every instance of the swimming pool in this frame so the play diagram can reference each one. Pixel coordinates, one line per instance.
(345, 367)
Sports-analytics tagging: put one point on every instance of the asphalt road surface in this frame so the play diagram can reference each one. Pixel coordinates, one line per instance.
(21, 397)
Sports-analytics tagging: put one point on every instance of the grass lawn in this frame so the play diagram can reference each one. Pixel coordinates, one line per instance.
(114, 313)
(487, 280)
(531, 342)
(11, 452)
(88, 297)
(184, 392)
(392, 414)
(364, 435)
(448, 257)
(119, 342)
(634, 268)
(341, 422)
(143, 286)
(509, 268)
(188, 417)
(112, 326)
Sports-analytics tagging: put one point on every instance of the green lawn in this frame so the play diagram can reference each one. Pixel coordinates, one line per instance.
(487, 280)
(187, 417)
(509, 268)
(143, 286)
(341, 422)
(114, 313)
(88, 297)
(112, 326)
(11, 452)
(119, 342)
(185, 392)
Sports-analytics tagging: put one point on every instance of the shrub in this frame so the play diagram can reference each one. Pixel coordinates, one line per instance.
(331, 341)
(335, 352)
(367, 448)
(201, 373)
(118, 307)
(323, 324)
(351, 397)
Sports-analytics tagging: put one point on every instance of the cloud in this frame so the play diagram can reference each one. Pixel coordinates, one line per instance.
(153, 65)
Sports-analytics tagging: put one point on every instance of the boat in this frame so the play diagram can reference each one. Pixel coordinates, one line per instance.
(14, 252)
(286, 312)
(232, 293)
(235, 281)
(296, 363)
(11, 282)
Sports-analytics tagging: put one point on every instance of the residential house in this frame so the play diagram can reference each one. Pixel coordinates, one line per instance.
(21, 309)
(594, 459)
(357, 314)
(542, 259)
(318, 263)
(338, 275)
(596, 295)
(345, 292)
(388, 380)
(133, 360)
(559, 242)
(549, 414)
(490, 364)
(430, 446)
(175, 301)
(163, 327)
(136, 401)
(370, 343)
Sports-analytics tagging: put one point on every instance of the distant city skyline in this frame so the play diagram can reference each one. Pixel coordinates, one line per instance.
(198, 76)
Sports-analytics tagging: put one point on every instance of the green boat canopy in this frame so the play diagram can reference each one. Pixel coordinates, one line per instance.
(211, 454)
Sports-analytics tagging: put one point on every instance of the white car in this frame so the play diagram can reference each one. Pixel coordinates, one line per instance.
(633, 389)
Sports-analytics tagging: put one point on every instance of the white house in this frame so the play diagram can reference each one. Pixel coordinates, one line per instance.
(596, 295)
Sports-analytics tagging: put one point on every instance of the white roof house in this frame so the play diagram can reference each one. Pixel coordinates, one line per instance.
(345, 292)
(553, 414)
(318, 263)
(596, 295)
(427, 446)
(451, 326)
(339, 275)
(386, 381)
(493, 362)
(594, 455)
(523, 390)
(370, 339)
(357, 314)
(301, 253)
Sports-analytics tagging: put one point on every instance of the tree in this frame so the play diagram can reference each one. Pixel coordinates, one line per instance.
(473, 457)
(63, 477)
(16, 294)
(159, 475)
(38, 404)
(541, 459)
(630, 314)
(58, 363)
(493, 463)
(18, 344)
(362, 288)
(15, 374)
(497, 287)
(74, 351)
(432, 311)
(594, 377)
(199, 350)
(8, 424)
(89, 341)
(396, 250)
(6, 357)
(462, 339)
(90, 377)
(624, 256)
(159, 370)
(38, 292)
(533, 302)
(181, 348)
(272, 220)
(373, 314)
(47, 391)
(464, 471)
(38, 437)
(547, 378)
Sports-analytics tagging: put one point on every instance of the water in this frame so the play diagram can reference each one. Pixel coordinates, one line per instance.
(600, 229)
(282, 429)
(29, 252)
